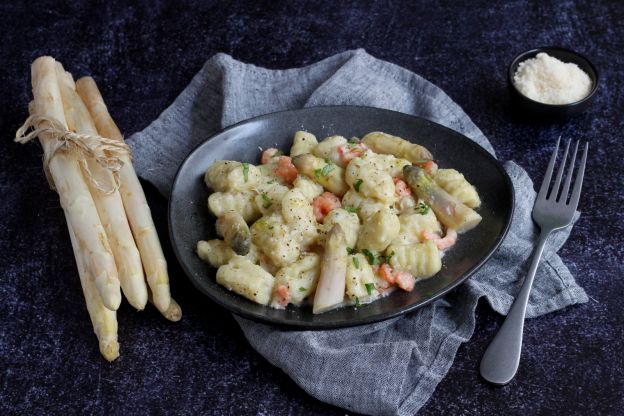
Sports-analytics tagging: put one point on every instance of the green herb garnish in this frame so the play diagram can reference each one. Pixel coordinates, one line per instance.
(356, 262)
(349, 208)
(351, 250)
(267, 200)
(369, 288)
(372, 260)
(246, 171)
(324, 171)
(422, 208)
(357, 302)
(357, 185)
(354, 140)
(302, 289)
(385, 259)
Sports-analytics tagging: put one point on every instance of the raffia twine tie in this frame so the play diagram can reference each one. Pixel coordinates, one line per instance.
(108, 153)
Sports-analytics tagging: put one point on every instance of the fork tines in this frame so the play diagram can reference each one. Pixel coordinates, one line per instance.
(557, 194)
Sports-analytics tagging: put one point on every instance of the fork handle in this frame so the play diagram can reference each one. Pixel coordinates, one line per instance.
(502, 357)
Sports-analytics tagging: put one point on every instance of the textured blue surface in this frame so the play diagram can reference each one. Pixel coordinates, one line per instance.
(142, 57)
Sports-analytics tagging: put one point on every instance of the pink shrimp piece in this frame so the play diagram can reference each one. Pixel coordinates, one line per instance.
(428, 235)
(448, 241)
(401, 188)
(268, 154)
(281, 297)
(285, 169)
(323, 204)
(350, 151)
(405, 280)
(387, 273)
(442, 242)
(430, 167)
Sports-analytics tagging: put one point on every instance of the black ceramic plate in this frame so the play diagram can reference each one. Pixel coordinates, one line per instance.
(190, 221)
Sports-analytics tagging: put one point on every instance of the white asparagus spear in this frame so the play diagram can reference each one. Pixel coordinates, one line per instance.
(109, 206)
(332, 281)
(75, 198)
(104, 320)
(173, 312)
(134, 200)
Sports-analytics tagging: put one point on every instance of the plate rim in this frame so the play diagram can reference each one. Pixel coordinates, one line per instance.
(288, 324)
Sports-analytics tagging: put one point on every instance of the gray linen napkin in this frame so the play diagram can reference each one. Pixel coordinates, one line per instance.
(390, 367)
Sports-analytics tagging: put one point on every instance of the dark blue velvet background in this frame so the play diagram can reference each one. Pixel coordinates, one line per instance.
(143, 56)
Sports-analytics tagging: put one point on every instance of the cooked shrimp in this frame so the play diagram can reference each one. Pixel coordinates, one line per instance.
(430, 167)
(387, 273)
(323, 204)
(268, 154)
(281, 297)
(351, 151)
(442, 242)
(405, 280)
(285, 169)
(401, 188)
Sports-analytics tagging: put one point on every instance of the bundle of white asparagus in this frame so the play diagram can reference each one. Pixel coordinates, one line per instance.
(110, 225)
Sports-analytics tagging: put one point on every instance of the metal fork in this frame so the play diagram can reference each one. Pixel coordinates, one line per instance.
(552, 211)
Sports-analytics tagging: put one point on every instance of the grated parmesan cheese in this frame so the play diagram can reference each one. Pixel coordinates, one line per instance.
(550, 81)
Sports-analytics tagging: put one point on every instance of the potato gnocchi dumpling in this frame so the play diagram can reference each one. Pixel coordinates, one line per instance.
(303, 142)
(363, 284)
(379, 230)
(329, 149)
(349, 222)
(370, 178)
(335, 223)
(228, 175)
(247, 279)
(243, 203)
(455, 184)
(421, 259)
(297, 281)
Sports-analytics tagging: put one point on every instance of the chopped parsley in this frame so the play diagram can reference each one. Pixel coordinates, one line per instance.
(356, 262)
(246, 171)
(349, 208)
(267, 200)
(351, 250)
(324, 171)
(302, 289)
(422, 208)
(357, 185)
(369, 288)
(372, 260)
(386, 259)
(357, 302)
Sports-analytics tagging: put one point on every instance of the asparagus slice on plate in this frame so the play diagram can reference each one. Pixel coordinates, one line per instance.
(332, 281)
(449, 210)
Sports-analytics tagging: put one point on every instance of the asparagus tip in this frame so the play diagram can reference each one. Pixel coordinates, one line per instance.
(109, 350)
